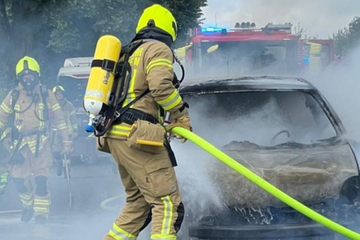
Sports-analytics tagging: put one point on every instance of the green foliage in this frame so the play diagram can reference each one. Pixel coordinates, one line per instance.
(348, 38)
(186, 12)
(52, 30)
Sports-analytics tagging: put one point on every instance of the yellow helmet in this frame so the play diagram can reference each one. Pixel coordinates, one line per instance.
(58, 88)
(27, 65)
(159, 17)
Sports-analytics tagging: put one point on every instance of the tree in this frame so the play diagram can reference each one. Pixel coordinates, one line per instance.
(186, 12)
(348, 38)
(51, 30)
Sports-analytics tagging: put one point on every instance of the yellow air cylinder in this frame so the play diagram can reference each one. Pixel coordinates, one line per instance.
(102, 75)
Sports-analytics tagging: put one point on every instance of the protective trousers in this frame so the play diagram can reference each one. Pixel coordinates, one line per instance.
(152, 193)
(39, 167)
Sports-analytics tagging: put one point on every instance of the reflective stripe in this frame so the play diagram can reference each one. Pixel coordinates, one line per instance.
(6, 108)
(55, 107)
(131, 94)
(72, 113)
(26, 197)
(41, 209)
(42, 205)
(26, 200)
(61, 126)
(41, 116)
(31, 142)
(32, 145)
(170, 102)
(162, 237)
(120, 130)
(42, 201)
(17, 107)
(3, 135)
(1, 125)
(168, 215)
(157, 62)
(17, 115)
(4, 177)
(120, 234)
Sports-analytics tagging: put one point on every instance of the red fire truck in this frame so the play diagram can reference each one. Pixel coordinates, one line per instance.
(273, 49)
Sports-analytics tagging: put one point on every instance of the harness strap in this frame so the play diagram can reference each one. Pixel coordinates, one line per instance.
(132, 115)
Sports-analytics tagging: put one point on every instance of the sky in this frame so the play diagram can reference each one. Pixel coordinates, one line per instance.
(319, 18)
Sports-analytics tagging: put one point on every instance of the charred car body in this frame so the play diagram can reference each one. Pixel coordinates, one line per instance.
(284, 130)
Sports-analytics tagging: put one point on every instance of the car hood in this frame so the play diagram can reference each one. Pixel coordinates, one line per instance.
(309, 175)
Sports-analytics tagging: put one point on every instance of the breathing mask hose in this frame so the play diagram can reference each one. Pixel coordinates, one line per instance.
(177, 81)
(182, 69)
(265, 185)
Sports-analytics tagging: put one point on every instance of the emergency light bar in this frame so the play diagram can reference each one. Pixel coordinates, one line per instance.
(214, 30)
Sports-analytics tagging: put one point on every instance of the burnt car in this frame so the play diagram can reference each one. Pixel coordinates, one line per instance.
(284, 130)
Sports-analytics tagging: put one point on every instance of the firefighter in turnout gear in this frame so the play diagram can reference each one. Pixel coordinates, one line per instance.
(25, 117)
(69, 112)
(136, 139)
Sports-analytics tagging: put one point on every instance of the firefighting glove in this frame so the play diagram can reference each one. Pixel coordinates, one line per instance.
(184, 122)
(3, 182)
(67, 147)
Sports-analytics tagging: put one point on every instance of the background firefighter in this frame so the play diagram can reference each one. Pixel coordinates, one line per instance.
(25, 115)
(152, 192)
(69, 112)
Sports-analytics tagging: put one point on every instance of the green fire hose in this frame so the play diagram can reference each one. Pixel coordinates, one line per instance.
(265, 185)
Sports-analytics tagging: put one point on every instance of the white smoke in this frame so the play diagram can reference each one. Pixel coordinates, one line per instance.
(340, 84)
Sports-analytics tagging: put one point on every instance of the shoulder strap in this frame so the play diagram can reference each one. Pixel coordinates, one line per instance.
(44, 92)
(129, 50)
(122, 73)
(44, 96)
(124, 109)
(131, 47)
(14, 97)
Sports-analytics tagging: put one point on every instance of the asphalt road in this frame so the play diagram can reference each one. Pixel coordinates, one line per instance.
(91, 185)
(90, 218)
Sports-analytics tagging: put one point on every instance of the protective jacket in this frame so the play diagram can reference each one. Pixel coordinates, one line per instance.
(152, 68)
(30, 117)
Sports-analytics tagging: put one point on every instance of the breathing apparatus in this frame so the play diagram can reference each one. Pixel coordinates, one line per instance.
(110, 73)
(28, 73)
(101, 92)
(108, 83)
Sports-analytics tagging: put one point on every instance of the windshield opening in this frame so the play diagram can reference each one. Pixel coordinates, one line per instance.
(74, 89)
(265, 118)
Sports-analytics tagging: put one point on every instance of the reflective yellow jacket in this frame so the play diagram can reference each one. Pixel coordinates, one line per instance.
(29, 116)
(152, 68)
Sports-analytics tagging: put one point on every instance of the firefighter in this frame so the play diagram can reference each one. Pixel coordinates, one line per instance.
(69, 112)
(152, 192)
(25, 115)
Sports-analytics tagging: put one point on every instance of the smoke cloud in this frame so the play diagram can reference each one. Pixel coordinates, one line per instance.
(340, 85)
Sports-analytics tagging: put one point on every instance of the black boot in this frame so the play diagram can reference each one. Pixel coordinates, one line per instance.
(40, 219)
(27, 214)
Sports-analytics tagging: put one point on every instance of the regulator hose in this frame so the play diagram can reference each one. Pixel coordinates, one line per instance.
(265, 185)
